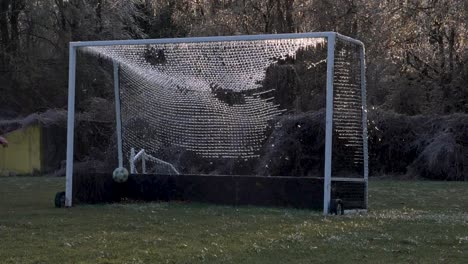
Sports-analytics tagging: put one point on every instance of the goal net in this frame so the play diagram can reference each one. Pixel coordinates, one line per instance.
(267, 105)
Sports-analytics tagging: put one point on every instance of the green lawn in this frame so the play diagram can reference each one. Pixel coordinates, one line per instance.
(408, 222)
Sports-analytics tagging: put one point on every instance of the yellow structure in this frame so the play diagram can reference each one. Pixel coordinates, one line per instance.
(23, 154)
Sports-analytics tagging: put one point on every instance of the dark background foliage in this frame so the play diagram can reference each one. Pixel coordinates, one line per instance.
(417, 55)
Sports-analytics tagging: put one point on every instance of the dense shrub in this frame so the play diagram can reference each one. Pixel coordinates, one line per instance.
(432, 147)
(295, 147)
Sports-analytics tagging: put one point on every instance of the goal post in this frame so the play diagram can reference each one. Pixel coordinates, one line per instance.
(118, 118)
(329, 124)
(70, 126)
(341, 129)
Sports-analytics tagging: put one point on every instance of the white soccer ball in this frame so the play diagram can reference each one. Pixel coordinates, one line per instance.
(120, 175)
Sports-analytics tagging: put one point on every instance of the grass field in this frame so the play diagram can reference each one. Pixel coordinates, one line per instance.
(408, 222)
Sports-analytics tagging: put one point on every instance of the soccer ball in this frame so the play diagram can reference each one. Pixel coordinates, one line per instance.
(120, 175)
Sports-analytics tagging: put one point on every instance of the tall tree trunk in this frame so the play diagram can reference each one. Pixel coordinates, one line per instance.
(279, 17)
(99, 16)
(4, 32)
(62, 29)
(289, 9)
(16, 7)
(268, 17)
(451, 43)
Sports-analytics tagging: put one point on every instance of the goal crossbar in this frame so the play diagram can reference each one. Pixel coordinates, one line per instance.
(77, 44)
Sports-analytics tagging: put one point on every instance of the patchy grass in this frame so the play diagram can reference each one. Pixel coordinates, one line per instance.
(412, 222)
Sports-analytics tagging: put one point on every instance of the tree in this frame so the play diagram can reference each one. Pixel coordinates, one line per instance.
(34, 44)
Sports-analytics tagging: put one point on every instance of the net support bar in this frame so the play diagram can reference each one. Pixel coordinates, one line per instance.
(70, 126)
(118, 119)
(329, 125)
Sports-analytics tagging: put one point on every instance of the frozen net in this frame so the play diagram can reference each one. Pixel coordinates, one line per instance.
(205, 98)
(348, 152)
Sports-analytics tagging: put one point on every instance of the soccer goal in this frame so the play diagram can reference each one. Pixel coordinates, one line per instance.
(243, 110)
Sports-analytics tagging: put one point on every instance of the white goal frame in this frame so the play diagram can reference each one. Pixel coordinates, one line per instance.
(331, 40)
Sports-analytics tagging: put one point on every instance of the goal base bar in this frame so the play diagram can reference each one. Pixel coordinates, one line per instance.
(292, 192)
